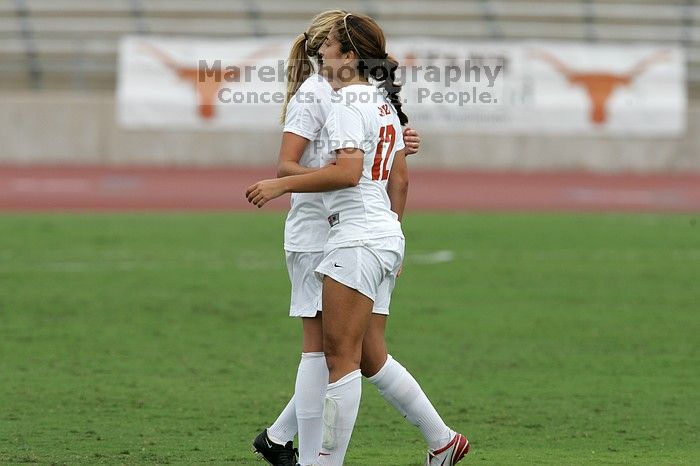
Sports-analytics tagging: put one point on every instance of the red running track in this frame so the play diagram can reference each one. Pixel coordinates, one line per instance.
(45, 188)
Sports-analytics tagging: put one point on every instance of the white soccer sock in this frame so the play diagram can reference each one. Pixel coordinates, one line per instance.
(339, 415)
(310, 388)
(285, 427)
(400, 389)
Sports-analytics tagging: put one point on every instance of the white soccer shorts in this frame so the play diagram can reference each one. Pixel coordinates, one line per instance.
(307, 287)
(368, 266)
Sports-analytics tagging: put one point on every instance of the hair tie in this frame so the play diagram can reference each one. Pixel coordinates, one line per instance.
(306, 43)
(386, 55)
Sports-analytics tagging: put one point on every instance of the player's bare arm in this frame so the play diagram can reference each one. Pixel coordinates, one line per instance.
(291, 150)
(345, 173)
(397, 186)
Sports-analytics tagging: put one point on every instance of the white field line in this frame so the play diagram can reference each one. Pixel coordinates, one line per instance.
(437, 257)
(598, 255)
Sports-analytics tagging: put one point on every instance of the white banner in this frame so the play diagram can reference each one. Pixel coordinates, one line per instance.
(525, 87)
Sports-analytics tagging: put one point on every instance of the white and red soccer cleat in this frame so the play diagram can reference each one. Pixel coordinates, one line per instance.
(450, 454)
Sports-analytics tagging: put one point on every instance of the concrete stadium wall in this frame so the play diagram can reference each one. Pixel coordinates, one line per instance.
(69, 128)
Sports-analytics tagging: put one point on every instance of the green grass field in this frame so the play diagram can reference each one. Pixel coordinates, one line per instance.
(164, 338)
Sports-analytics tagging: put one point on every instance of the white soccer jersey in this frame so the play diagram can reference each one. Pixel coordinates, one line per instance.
(306, 228)
(361, 117)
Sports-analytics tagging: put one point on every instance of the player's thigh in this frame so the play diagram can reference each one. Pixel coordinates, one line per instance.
(346, 314)
(352, 276)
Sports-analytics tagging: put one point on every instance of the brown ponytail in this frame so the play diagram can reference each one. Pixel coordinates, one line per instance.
(362, 35)
(389, 65)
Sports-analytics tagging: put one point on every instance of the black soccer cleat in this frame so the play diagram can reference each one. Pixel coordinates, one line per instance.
(274, 453)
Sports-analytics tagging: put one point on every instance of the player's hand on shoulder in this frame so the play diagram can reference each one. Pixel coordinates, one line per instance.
(411, 139)
(263, 191)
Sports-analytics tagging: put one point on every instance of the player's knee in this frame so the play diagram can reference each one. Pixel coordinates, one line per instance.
(339, 361)
(340, 355)
(374, 353)
(367, 369)
(371, 363)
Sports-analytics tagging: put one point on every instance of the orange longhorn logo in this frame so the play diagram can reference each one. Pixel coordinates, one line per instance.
(208, 88)
(601, 85)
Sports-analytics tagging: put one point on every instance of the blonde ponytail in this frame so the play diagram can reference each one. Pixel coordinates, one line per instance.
(306, 45)
(299, 67)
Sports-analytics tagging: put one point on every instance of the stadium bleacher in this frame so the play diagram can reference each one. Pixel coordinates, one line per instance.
(72, 44)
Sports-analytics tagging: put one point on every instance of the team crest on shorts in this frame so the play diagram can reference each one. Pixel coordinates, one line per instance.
(334, 219)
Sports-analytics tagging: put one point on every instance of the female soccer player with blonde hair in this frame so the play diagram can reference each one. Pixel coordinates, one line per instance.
(305, 140)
